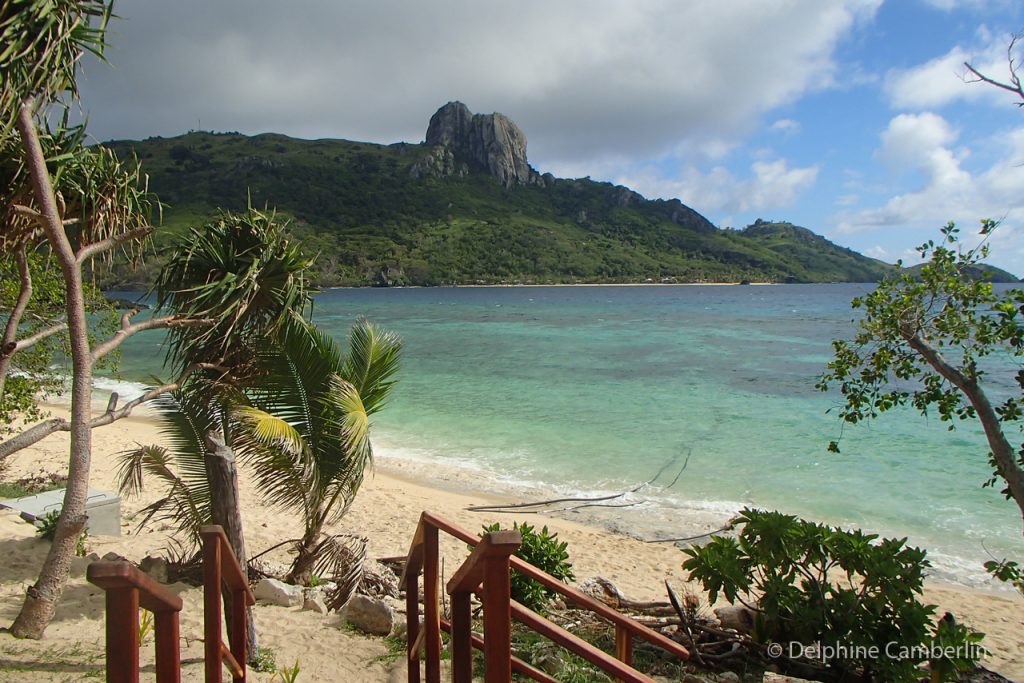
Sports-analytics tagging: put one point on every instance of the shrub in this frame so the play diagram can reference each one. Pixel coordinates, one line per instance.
(545, 552)
(821, 585)
(46, 528)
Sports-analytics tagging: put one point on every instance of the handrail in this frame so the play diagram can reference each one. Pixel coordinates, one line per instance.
(518, 665)
(221, 570)
(423, 556)
(127, 589)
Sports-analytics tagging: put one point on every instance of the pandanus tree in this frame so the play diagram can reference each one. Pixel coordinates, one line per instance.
(78, 204)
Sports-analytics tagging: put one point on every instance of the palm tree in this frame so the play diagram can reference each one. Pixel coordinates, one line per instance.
(180, 467)
(303, 427)
(306, 433)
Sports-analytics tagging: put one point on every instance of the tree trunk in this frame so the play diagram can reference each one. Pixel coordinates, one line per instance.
(225, 510)
(41, 599)
(1004, 454)
(302, 568)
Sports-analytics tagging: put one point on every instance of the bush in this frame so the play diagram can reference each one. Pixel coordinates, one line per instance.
(544, 551)
(847, 590)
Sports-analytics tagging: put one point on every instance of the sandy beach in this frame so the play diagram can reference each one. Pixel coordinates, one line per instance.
(386, 512)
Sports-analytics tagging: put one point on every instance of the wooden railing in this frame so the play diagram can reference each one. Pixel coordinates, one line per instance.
(221, 568)
(486, 573)
(127, 589)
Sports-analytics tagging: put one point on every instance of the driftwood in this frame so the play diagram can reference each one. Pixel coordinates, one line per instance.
(538, 507)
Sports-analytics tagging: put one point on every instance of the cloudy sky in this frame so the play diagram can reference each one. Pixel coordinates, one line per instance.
(850, 117)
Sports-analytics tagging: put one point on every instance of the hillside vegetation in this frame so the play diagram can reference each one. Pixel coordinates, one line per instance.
(375, 219)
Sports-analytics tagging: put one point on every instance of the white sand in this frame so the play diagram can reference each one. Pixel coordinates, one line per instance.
(386, 511)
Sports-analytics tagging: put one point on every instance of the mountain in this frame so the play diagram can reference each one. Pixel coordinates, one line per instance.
(465, 206)
(982, 271)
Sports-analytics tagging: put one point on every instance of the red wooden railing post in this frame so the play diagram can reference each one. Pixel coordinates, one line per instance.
(222, 572)
(461, 638)
(623, 645)
(431, 604)
(123, 635)
(212, 616)
(168, 652)
(497, 620)
(127, 589)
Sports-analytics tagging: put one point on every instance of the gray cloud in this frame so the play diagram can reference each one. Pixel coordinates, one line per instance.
(585, 80)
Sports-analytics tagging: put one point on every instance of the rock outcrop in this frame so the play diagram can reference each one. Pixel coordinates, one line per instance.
(462, 141)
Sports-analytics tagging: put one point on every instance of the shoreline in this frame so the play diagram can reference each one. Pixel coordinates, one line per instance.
(648, 519)
(385, 511)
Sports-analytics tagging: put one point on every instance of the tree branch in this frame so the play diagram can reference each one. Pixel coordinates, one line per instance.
(1014, 85)
(90, 250)
(34, 339)
(1002, 451)
(9, 345)
(128, 329)
(27, 212)
(41, 430)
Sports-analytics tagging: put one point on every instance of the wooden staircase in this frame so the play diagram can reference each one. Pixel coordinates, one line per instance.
(127, 589)
(486, 573)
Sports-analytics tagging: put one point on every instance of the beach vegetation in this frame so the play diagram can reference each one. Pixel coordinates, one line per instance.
(944, 344)
(82, 206)
(543, 550)
(364, 209)
(305, 432)
(302, 428)
(849, 594)
(265, 661)
(287, 674)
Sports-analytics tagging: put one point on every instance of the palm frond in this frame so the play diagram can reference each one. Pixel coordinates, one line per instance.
(374, 358)
(181, 504)
(270, 431)
(286, 476)
(340, 558)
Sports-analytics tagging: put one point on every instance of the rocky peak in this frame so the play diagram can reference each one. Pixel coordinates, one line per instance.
(487, 142)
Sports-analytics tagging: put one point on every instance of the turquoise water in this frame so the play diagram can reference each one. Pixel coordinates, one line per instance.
(594, 389)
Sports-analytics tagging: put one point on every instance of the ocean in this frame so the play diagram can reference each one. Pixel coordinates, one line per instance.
(541, 392)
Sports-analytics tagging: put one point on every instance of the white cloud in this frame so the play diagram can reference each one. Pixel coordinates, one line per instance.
(941, 81)
(949, 191)
(770, 185)
(921, 142)
(584, 79)
(786, 126)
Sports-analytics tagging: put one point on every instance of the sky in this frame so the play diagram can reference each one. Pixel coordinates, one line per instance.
(849, 117)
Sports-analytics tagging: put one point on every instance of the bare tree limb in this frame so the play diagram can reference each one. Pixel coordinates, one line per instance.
(683, 539)
(1014, 85)
(598, 501)
(128, 329)
(34, 339)
(41, 430)
(9, 344)
(27, 212)
(91, 250)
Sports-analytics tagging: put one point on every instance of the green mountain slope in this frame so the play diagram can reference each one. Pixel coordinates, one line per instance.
(376, 216)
